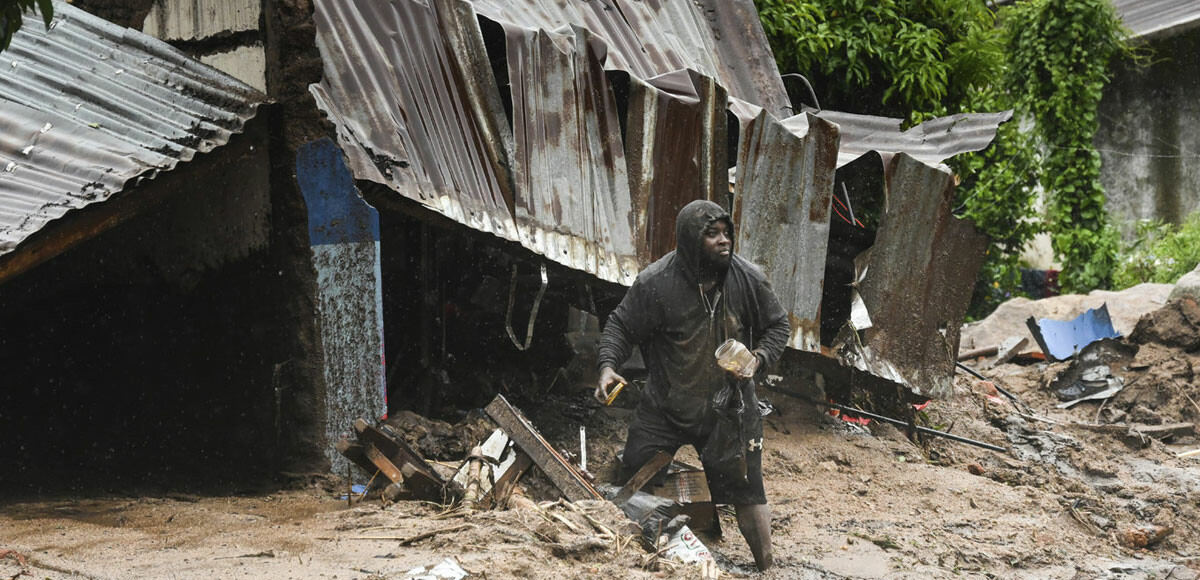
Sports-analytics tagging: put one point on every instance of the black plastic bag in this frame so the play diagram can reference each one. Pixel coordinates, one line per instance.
(724, 452)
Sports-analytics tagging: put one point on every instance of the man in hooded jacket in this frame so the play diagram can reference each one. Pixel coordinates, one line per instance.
(678, 311)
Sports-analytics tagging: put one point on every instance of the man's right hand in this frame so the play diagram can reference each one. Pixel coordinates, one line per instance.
(608, 379)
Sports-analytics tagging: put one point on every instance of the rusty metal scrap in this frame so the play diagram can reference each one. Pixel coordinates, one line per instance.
(677, 142)
(931, 142)
(783, 189)
(916, 282)
(404, 115)
(720, 39)
(554, 175)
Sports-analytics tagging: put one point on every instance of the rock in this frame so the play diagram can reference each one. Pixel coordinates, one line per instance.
(1175, 325)
(985, 388)
(1181, 573)
(1187, 286)
(1143, 536)
(1100, 522)
(975, 469)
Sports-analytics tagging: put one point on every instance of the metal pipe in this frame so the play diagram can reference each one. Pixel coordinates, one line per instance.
(898, 422)
(999, 389)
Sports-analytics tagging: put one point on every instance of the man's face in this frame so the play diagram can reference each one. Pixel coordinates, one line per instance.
(718, 246)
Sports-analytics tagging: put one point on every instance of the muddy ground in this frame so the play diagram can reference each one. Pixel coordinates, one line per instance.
(849, 501)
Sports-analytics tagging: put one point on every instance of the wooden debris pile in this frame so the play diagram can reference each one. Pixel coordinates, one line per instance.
(487, 479)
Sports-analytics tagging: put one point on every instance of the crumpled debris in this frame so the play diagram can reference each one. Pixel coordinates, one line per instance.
(1062, 339)
(1090, 374)
(686, 547)
(1144, 536)
(447, 569)
(656, 515)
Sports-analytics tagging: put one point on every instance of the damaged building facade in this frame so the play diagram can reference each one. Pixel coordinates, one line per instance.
(423, 201)
(1147, 132)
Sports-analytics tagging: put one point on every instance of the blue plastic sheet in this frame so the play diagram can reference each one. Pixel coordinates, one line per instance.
(1061, 340)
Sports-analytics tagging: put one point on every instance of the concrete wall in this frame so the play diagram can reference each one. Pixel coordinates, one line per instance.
(344, 233)
(161, 348)
(225, 34)
(1149, 137)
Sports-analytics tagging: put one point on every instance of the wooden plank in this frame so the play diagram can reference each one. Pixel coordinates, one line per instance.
(422, 486)
(386, 467)
(417, 475)
(643, 475)
(685, 487)
(395, 449)
(505, 484)
(565, 477)
(703, 516)
(356, 453)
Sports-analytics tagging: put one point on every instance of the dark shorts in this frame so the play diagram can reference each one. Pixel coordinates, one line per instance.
(651, 432)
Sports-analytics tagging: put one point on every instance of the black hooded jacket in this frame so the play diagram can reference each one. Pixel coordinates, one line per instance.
(666, 314)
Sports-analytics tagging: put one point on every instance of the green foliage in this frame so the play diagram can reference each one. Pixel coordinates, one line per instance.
(1160, 252)
(890, 57)
(12, 13)
(1060, 52)
(998, 194)
(1045, 59)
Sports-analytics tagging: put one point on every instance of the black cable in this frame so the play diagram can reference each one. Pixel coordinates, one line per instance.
(898, 422)
(807, 84)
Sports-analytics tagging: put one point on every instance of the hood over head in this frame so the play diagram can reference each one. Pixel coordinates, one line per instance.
(693, 219)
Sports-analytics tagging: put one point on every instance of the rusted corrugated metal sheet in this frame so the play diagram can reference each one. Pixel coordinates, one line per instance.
(677, 151)
(1158, 17)
(916, 281)
(721, 39)
(405, 109)
(421, 112)
(88, 106)
(784, 183)
(572, 191)
(931, 142)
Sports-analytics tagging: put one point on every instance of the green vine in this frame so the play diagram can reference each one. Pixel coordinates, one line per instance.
(1059, 54)
(903, 58)
(12, 13)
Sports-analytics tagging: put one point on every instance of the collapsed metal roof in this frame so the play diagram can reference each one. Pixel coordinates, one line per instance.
(88, 107)
(1154, 17)
(578, 129)
(543, 158)
(931, 142)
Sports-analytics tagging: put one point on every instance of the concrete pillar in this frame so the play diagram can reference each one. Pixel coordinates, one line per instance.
(344, 233)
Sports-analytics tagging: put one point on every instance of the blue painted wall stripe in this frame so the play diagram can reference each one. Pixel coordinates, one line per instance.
(337, 214)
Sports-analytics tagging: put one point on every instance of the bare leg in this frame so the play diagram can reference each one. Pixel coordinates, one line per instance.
(755, 523)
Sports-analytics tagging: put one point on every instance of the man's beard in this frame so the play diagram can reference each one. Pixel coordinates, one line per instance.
(715, 266)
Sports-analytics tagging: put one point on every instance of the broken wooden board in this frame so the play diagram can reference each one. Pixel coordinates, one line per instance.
(417, 475)
(689, 487)
(1010, 348)
(643, 475)
(386, 467)
(356, 454)
(506, 482)
(684, 487)
(561, 473)
(497, 448)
